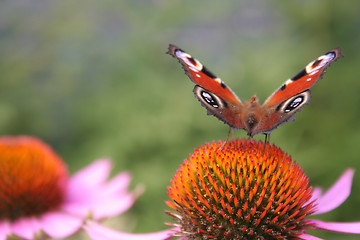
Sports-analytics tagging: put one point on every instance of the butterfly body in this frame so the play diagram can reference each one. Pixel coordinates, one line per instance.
(280, 107)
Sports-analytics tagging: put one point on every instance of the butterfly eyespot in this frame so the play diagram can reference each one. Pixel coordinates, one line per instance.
(294, 104)
(209, 99)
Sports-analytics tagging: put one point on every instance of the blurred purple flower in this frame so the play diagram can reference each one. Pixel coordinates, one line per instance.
(40, 201)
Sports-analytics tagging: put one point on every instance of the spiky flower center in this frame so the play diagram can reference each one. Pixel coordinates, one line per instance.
(32, 178)
(240, 191)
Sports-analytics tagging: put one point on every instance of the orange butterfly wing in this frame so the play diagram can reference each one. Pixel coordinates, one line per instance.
(294, 94)
(304, 79)
(212, 92)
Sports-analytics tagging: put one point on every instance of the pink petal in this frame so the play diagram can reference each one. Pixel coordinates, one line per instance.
(337, 194)
(316, 194)
(104, 200)
(100, 205)
(98, 232)
(26, 227)
(346, 227)
(119, 183)
(4, 229)
(90, 176)
(111, 206)
(76, 209)
(309, 237)
(60, 225)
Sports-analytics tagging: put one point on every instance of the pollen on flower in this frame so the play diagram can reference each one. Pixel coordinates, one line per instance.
(32, 178)
(240, 191)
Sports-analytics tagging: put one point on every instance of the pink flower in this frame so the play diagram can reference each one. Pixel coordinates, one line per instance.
(239, 190)
(330, 200)
(39, 199)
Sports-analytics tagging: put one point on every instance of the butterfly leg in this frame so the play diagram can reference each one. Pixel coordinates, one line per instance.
(267, 139)
(230, 132)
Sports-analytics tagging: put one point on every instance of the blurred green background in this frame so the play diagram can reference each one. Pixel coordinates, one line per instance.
(92, 79)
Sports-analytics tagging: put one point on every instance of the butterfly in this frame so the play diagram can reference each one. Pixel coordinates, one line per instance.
(280, 107)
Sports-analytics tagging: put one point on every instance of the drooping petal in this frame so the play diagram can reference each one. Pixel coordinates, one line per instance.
(26, 227)
(98, 232)
(115, 197)
(4, 229)
(83, 185)
(60, 225)
(111, 206)
(119, 183)
(344, 227)
(337, 194)
(309, 237)
(92, 176)
(100, 203)
(316, 193)
(104, 199)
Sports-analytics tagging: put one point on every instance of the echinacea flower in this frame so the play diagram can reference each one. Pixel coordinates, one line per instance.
(38, 199)
(241, 191)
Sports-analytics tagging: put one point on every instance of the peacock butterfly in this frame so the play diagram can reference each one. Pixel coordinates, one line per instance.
(280, 107)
